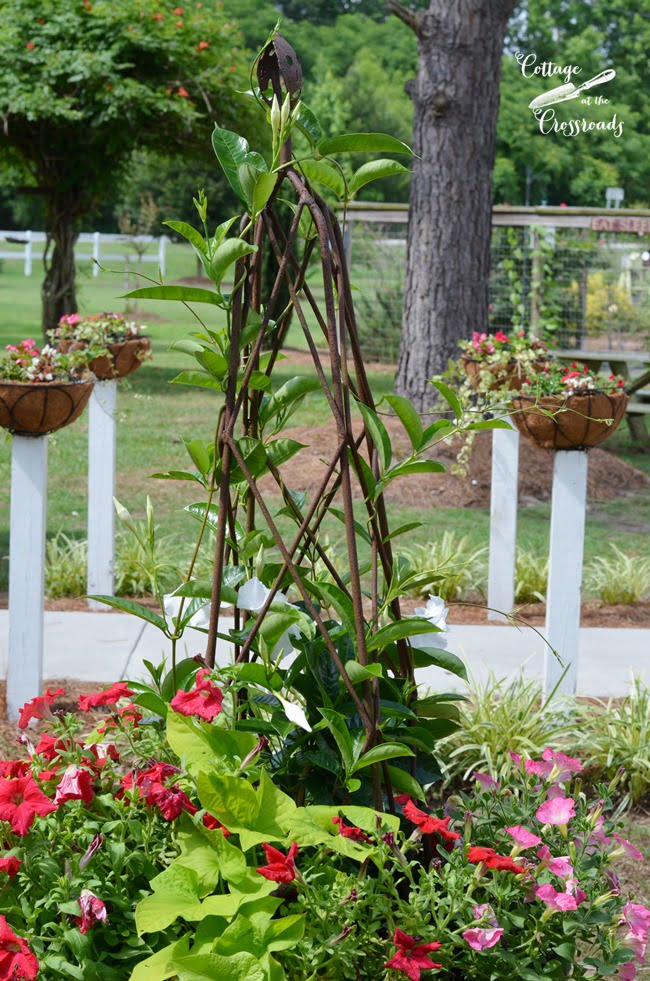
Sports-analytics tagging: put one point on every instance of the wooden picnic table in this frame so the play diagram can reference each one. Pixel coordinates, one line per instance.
(620, 362)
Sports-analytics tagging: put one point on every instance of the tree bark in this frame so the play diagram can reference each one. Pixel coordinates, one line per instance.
(456, 99)
(58, 292)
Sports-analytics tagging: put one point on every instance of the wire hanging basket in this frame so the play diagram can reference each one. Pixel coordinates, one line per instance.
(569, 422)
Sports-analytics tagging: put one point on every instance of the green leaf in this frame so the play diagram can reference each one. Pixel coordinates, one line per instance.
(209, 966)
(341, 602)
(128, 606)
(320, 172)
(374, 170)
(433, 708)
(198, 453)
(489, 424)
(307, 122)
(232, 151)
(257, 187)
(281, 450)
(199, 744)
(385, 751)
(255, 816)
(358, 672)
(188, 294)
(190, 233)
(404, 783)
(229, 252)
(362, 143)
(425, 656)
(363, 471)
(342, 736)
(215, 363)
(409, 526)
(162, 965)
(407, 416)
(450, 397)
(176, 893)
(358, 527)
(259, 381)
(180, 475)
(439, 428)
(200, 379)
(378, 434)
(405, 469)
(398, 630)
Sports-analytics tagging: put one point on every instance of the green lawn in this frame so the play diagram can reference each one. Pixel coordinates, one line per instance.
(153, 416)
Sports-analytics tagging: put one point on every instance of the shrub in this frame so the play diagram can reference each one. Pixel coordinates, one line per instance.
(65, 566)
(619, 579)
(616, 734)
(461, 565)
(497, 716)
(531, 577)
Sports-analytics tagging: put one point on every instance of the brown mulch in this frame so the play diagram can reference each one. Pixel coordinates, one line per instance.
(609, 478)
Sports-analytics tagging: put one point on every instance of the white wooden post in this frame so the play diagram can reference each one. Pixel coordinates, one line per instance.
(28, 253)
(565, 568)
(95, 253)
(503, 522)
(101, 489)
(162, 246)
(26, 570)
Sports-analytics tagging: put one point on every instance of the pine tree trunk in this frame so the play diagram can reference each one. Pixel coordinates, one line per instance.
(455, 98)
(58, 292)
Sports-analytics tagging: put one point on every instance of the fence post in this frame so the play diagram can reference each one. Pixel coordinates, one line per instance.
(28, 253)
(96, 236)
(565, 568)
(162, 247)
(26, 570)
(503, 522)
(101, 489)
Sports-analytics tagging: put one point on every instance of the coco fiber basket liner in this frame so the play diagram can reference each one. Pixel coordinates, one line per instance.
(38, 408)
(125, 357)
(572, 422)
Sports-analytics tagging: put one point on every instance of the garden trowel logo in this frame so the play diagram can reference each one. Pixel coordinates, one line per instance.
(542, 104)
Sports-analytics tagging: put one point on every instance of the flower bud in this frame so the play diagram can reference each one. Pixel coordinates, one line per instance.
(276, 116)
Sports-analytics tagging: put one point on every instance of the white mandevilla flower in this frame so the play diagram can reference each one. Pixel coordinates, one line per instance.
(252, 596)
(436, 612)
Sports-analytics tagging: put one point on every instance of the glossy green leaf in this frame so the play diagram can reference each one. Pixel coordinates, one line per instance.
(176, 893)
(374, 170)
(190, 233)
(259, 381)
(404, 783)
(378, 434)
(320, 172)
(199, 744)
(228, 253)
(407, 415)
(198, 453)
(341, 602)
(364, 473)
(199, 379)
(307, 122)
(409, 526)
(180, 475)
(399, 629)
(136, 609)
(188, 294)
(450, 397)
(489, 424)
(281, 450)
(342, 735)
(440, 429)
(362, 143)
(162, 965)
(424, 656)
(385, 751)
(256, 816)
(232, 151)
(433, 708)
(359, 672)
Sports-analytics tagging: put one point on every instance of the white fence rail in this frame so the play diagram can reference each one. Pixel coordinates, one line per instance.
(96, 240)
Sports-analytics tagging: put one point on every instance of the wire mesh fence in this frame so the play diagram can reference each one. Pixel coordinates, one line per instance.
(575, 286)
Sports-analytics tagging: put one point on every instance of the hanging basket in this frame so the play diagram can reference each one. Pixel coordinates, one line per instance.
(125, 357)
(38, 408)
(510, 376)
(569, 422)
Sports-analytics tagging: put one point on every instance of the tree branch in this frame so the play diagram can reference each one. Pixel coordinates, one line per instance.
(410, 17)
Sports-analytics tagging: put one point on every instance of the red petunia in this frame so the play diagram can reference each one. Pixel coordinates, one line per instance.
(349, 831)
(110, 696)
(127, 713)
(39, 707)
(16, 959)
(204, 700)
(51, 746)
(20, 801)
(171, 801)
(210, 822)
(280, 868)
(14, 768)
(184, 94)
(202, 45)
(411, 958)
(429, 824)
(93, 910)
(30, 45)
(500, 863)
(10, 865)
(76, 784)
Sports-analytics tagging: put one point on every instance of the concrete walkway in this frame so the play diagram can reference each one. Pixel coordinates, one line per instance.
(105, 647)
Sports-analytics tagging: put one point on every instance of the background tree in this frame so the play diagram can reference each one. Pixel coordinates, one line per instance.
(455, 99)
(84, 83)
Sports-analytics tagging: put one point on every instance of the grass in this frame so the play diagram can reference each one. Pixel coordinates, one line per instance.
(153, 415)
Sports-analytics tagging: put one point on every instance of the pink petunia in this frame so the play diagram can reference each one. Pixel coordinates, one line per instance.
(93, 910)
(76, 784)
(480, 939)
(485, 780)
(522, 837)
(558, 810)
(556, 901)
(628, 848)
(560, 866)
(637, 919)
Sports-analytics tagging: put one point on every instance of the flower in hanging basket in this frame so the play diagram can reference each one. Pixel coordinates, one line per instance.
(41, 389)
(116, 347)
(569, 408)
(501, 361)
